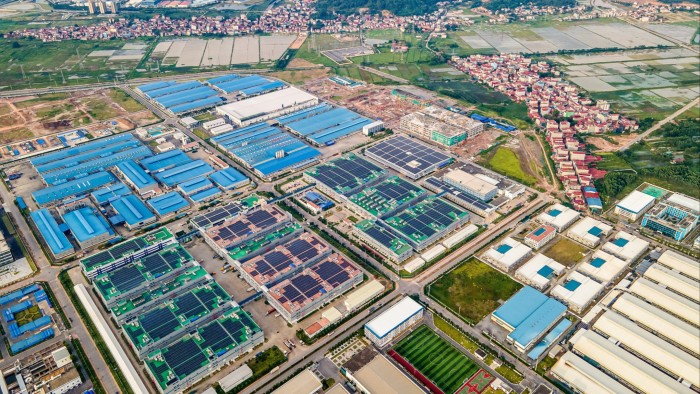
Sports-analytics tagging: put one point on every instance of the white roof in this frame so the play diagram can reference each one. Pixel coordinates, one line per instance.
(304, 383)
(470, 182)
(674, 281)
(391, 318)
(681, 263)
(509, 258)
(667, 300)
(586, 378)
(266, 103)
(685, 201)
(636, 201)
(363, 294)
(606, 272)
(565, 217)
(433, 252)
(531, 270)
(414, 264)
(582, 295)
(649, 346)
(626, 366)
(631, 250)
(656, 319)
(584, 227)
(460, 235)
(236, 377)
(380, 376)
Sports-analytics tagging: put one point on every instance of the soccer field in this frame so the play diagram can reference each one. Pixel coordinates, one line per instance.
(437, 359)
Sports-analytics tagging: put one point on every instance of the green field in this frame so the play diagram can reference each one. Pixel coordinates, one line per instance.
(437, 359)
(473, 290)
(506, 162)
(566, 252)
(28, 315)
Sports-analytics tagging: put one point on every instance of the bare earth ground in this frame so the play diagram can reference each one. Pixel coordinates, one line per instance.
(300, 63)
(604, 145)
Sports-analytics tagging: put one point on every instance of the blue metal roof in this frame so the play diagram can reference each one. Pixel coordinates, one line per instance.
(104, 194)
(520, 306)
(155, 85)
(205, 194)
(549, 339)
(242, 83)
(85, 224)
(98, 164)
(184, 172)
(48, 228)
(223, 78)
(137, 175)
(292, 160)
(178, 87)
(197, 104)
(94, 154)
(133, 210)
(78, 186)
(165, 160)
(195, 185)
(168, 203)
(538, 322)
(85, 147)
(228, 178)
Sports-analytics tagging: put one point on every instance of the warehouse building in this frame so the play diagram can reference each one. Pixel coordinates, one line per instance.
(109, 193)
(589, 231)
(393, 322)
(527, 316)
(626, 246)
(540, 236)
(583, 377)
(133, 212)
(229, 178)
(364, 294)
(164, 161)
(683, 264)
(674, 281)
(344, 176)
(58, 243)
(168, 204)
(305, 382)
(78, 187)
(471, 184)
(88, 227)
(649, 347)
(384, 198)
(507, 254)
(267, 106)
(382, 241)
(559, 217)
(372, 373)
(603, 267)
(539, 271)
(126, 252)
(628, 369)
(674, 217)
(137, 177)
(578, 291)
(667, 300)
(634, 205)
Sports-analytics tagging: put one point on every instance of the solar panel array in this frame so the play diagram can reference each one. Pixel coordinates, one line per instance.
(232, 232)
(386, 196)
(375, 231)
(346, 174)
(408, 156)
(272, 266)
(427, 218)
(114, 253)
(462, 198)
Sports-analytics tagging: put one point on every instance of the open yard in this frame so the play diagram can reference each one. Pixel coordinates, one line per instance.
(506, 162)
(28, 315)
(436, 359)
(473, 290)
(566, 251)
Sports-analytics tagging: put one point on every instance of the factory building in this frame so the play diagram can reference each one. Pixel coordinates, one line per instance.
(507, 254)
(267, 106)
(634, 205)
(589, 231)
(578, 291)
(603, 267)
(439, 125)
(559, 217)
(626, 246)
(471, 184)
(392, 322)
(674, 217)
(540, 236)
(539, 271)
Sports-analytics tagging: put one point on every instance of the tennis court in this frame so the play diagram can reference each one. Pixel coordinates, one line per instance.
(436, 359)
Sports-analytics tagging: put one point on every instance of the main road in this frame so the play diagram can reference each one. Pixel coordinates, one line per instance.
(661, 123)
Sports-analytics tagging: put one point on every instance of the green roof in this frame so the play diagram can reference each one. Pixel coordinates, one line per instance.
(241, 251)
(233, 329)
(174, 314)
(397, 244)
(426, 218)
(139, 272)
(386, 196)
(124, 249)
(190, 275)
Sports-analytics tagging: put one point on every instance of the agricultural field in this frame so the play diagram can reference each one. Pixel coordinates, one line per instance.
(565, 251)
(640, 83)
(473, 290)
(436, 359)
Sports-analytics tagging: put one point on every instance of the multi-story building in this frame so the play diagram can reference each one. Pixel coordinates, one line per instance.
(47, 370)
(540, 236)
(674, 217)
(5, 253)
(445, 127)
(471, 184)
(383, 241)
(634, 205)
(392, 322)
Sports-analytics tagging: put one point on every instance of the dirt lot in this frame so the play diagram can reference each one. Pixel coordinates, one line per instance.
(471, 148)
(610, 143)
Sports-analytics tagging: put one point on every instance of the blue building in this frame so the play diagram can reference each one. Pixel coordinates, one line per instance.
(77, 187)
(88, 227)
(133, 211)
(528, 315)
(136, 176)
(168, 204)
(58, 243)
(674, 217)
(229, 178)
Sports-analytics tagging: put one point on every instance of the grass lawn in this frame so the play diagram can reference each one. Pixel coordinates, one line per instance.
(100, 110)
(612, 162)
(506, 162)
(266, 360)
(566, 251)
(125, 101)
(437, 359)
(455, 334)
(473, 290)
(512, 375)
(44, 98)
(28, 315)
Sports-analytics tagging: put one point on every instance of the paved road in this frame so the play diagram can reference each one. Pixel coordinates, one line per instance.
(657, 126)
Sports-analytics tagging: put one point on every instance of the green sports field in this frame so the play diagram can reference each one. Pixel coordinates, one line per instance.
(437, 359)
